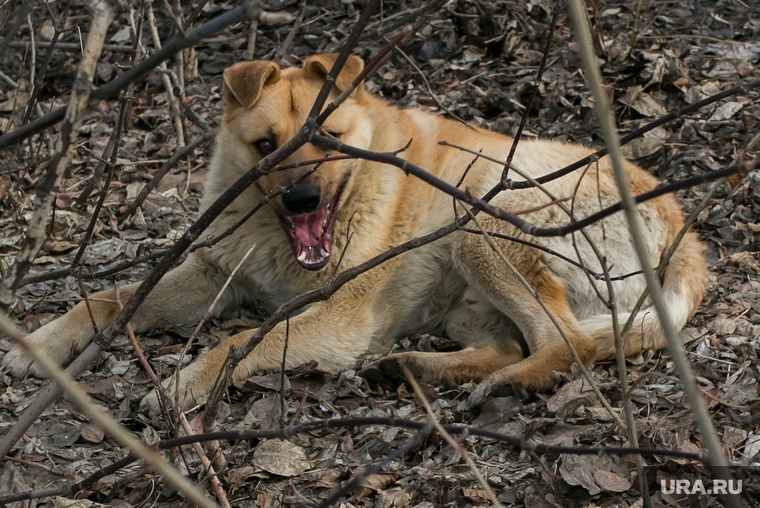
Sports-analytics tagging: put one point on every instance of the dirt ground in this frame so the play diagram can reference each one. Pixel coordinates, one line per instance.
(480, 59)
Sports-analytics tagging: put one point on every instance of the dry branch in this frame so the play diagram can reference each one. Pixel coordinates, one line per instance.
(340, 423)
(172, 99)
(451, 441)
(102, 13)
(607, 122)
(100, 417)
(110, 89)
(499, 213)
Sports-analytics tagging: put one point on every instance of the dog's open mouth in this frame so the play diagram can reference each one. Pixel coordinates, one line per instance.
(310, 234)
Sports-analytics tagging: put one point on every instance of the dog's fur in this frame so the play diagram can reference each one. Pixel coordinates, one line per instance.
(456, 285)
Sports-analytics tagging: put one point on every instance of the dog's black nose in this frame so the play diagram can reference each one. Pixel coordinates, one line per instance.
(303, 200)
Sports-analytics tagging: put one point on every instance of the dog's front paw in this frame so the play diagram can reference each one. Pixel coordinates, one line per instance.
(58, 340)
(494, 385)
(193, 390)
(17, 363)
(386, 373)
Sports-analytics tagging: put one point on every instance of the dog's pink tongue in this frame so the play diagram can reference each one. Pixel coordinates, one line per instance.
(308, 228)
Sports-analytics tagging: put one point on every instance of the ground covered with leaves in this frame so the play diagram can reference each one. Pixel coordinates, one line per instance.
(480, 60)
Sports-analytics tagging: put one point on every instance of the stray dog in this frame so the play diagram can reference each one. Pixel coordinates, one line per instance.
(457, 286)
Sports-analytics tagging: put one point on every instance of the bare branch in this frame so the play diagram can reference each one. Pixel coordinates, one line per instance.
(450, 440)
(35, 235)
(138, 71)
(340, 423)
(99, 416)
(607, 122)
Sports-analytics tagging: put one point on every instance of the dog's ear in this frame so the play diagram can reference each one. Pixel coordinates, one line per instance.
(244, 81)
(318, 66)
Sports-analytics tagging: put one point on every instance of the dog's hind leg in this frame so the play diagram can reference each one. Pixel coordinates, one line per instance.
(487, 272)
(489, 341)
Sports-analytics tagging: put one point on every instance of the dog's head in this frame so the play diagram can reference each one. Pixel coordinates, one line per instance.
(266, 106)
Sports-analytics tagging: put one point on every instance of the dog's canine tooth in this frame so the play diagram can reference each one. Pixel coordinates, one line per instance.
(323, 252)
(302, 255)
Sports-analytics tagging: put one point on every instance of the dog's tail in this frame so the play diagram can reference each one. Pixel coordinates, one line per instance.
(683, 288)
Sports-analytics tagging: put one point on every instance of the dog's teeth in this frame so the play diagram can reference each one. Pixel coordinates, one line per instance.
(323, 253)
(302, 255)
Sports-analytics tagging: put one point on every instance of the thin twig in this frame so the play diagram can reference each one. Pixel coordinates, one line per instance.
(35, 235)
(283, 403)
(102, 418)
(607, 123)
(109, 168)
(173, 108)
(180, 153)
(430, 90)
(216, 487)
(550, 37)
(283, 49)
(87, 302)
(450, 440)
(669, 254)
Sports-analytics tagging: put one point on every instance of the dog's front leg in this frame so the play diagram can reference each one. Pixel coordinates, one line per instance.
(181, 297)
(333, 334)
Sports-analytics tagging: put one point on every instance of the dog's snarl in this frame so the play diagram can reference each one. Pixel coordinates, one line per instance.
(310, 234)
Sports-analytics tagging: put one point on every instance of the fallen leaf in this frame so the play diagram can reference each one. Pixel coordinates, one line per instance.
(569, 397)
(280, 457)
(610, 481)
(374, 483)
(91, 433)
(476, 496)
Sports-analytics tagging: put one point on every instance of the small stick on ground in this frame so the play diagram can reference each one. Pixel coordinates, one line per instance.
(180, 153)
(450, 440)
(206, 316)
(176, 116)
(283, 49)
(216, 487)
(87, 301)
(283, 403)
(430, 90)
(109, 166)
(100, 417)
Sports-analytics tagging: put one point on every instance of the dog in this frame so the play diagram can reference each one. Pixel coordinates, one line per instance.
(457, 286)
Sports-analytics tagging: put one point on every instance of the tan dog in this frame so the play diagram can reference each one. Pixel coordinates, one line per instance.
(456, 286)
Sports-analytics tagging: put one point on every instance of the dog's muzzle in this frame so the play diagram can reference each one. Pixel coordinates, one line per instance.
(310, 232)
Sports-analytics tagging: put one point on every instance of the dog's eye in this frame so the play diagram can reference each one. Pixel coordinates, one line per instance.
(333, 134)
(265, 146)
